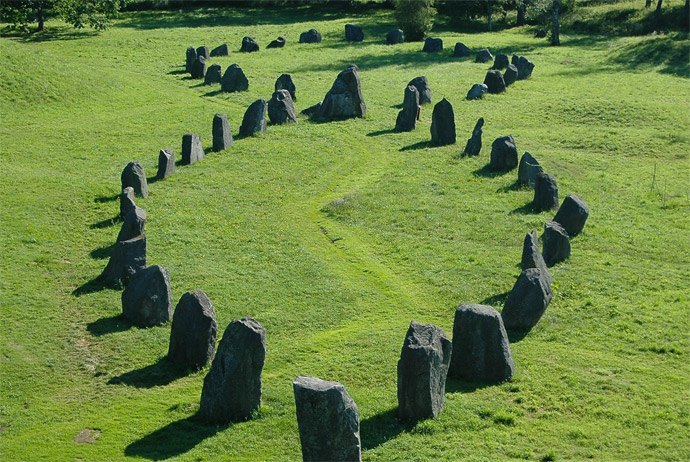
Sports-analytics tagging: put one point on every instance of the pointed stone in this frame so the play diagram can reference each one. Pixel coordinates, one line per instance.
(461, 51)
(133, 224)
(222, 138)
(234, 79)
(281, 110)
(284, 82)
(126, 201)
(443, 123)
(531, 256)
(193, 331)
(528, 170)
(527, 301)
(407, 117)
(134, 176)
(344, 100)
(166, 163)
(213, 75)
(474, 144)
(254, 120)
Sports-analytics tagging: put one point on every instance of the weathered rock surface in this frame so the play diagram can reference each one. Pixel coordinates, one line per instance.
(433, 45)
(443, 123)
(344, 100)
(407, 117)
(213, 74)
(133, 224)
(166, 163)
(133, 176)
(503, 154)
(193, 331)
(249, 45)
(281, 110)
(477, 91)
(126, 201)
(501, 61)
(310, 36)
(524, 67)
(277, 43)
(474, 144)
(422, 86)
(284, 82)
(127, 258)
(199, 68)
(545, 192)
(147, 300)
(203, 51)
(532, 258)
(510, 75)
(221, 50)
(353, 33)
(395, 36)
(484, 56)
(527, 301)
(222, 137)
(254, 120)
(461, 51)
(572, 215)
(528, 170)
(190, 58)
(234, 79)
(494, 81)
(556, 243)
(191, 149)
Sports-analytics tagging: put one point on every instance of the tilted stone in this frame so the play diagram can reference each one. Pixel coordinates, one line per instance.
(127, 258)
(484, 56)
(281, 110)
(191, 149)
(284, 82)
(510, 75)
(190, 58)
(310, 36)
(221, 50)
(433, 45)
(524, 68)
(222, 137)
(254, 120)
(494, 81)
(556, 243)
(199, 68)
(133, 224)
(277, 43)
(501, 61)
(249, 45)
(147, 300)
(572, 215)
(545, 192)
(422, 86)
(133, 176)
(528, 170)
(193, 331)
(344, 100)
(395, 36)
(527, 301)
(407, 117)
(166, 163)
(474, 144)
(353, 33)
(477, 91)
(213, 74)
(461, 51)
(443, 123)
(126, 201)
(503, 154)
(532, 258)
(234, 79)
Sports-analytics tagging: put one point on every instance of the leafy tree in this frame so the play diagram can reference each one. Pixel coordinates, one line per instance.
(78, 13)
(415, 17)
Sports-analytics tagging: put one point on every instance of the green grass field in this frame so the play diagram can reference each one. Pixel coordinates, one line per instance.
(605, 375)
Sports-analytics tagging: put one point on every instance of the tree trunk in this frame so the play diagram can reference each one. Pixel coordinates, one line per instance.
(657, 15)
(490, 7)
(521, 13)
(40, 16)
(647, 3)
(555, 35)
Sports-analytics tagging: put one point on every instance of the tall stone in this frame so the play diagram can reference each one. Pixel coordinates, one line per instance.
(277, 43)
(213, 75)
(494, 82)
(532, 258)
(503, 154)
(254, 120)
(461, 51)
(395, 36)
(133, 224)
(344, 100)
(556, 243)
(281, 110)
(166, 163)
(222, 138)
(484, 56)
(572, 215)
(191, 149)
(527, 301)
(199, 68)
(193, 331)
(422, 371)
(284, 82)
(190, 58)
(528, 170)
(310, 36)
(510, 75)
(147, 300)
(433, 45)
(328, 421)
(443, 123)
(203, 51)
(477, 91)
(232, 388)
(127, 258)
(126, 201)
(134, 176)
(234, 79)
(501, 61)
(422, 86)
(407, 117)
(353, 33)
(474, 144)
(545, 192)
(221, 50)
(481, 351)
(249, 45)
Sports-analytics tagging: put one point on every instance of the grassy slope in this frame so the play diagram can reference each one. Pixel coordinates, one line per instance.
(605, 373)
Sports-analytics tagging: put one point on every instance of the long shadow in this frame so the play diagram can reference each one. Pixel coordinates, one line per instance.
(178, 72)
(487, 172)
(90, 287)
(382, 427)
(102, 199)
(109, 325)
(381, 132)
(152, 179)
(515, 336)
(515, 186)
(108, 222)
(527, 209)
(162, 372)
(498, 299)
(173, 440)
(418, 145)
(102, 253)
(52, 32)
(462, 386)
(213, 93)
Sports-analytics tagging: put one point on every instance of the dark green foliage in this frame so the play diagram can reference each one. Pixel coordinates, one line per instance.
(415, 17)
(79, 13)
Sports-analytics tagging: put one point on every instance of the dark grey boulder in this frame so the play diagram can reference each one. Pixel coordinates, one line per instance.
(503, 154)
(422, 371)
(484, 56)
(133, 176)
(133, 224)
(433, 45)
(147, 301)
(344, 100)
(190, 58)
(277, 43)
(477, 91)
(232, 388)
(312, 110)
(254, 120)
(199, 68)
(528, 170)
(249, 45)
(166, 163)
(284, 82)
(540, 33)
(545, 192)
(532, 258)
(328, 421)
(191, 149)
(234, 79)
(407, 117)
(221, 50)
(527, 301)
(501, 61)
(422, 86)
(203, 51)
(572, 215)
(494, 81)
(281, 110)
(481, 351)
(510, 75)
(126, 201)
(353, 33)
(524, 67)
(310, 36)
(461, 51)
(514, 60)
(556, 243)
(213, 74)
(395, 36)
(474, 144)
(127, 258)
(222, 137)
(193, 331)
(443, 123)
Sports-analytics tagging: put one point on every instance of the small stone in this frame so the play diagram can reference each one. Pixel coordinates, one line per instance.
(191, 149)
(133, 224)
(222, 138)
(494, 81)
(422, 86)
(277, 43)
(477, 91)
(407, 117)
(474, 144)
(524, 67)
(540, 33)
(503, 154)
(128, 257)
(221, 50)
(190, 58)
(310, 36)
(166, 163)
(461, 51)
(484, 56)
(199, 68)
(232, 388)
(203, 51)
(501, 61)
(312, 110)
(527, 301)
(433, 45)
(147, 300)
(395, 36)
(213, 74)
(443, 123)
(572, 215)
(481, 351)
(528, 170)
(249, 45)
(353, 33)
(234, 79)
(556, 243)
(281, 110)
(134, 176)
(545, 192)
(532, 258)
(284, 82)
(344, 100)
(126, 201)
(510, 75)
(254, 120)
(328, 421)
(193, 331)
(422, 371)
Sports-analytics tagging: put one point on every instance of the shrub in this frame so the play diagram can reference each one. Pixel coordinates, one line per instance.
(415, 17)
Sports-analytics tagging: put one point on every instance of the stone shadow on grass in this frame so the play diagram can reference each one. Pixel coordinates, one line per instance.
(515, 335)
(108, 222)
(515, 186)
(382, 427)
(101, 199)
(109, 325)
(498, 299)
(463, 386)
(419, 145)
(162, 372)
(381, 132)
(487, 172)
(527, 209)
(103, 252)
(94, 285)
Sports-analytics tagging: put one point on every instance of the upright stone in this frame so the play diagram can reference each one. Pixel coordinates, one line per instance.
(133, 224)
(474, 144)
(147, 300)
(501, 61)
(481, 351)
(222, 138)
(433, 45)
(545, 192)
(422, 86)
(407, 117)
(191, 149)
(484, 56)
(134, 176)
(128, 257)
(353, 33)
(503, 154)
(514, 60)
(232, 388)
(249, 45)
(477, 91)
(310, 36)
(166, 163)
(524, 68)
(572, 215)
(203, 51)
(395, 36)
(510, 75)
(422, 371)
(531, 256)
(234, 79)
(461, 51)
(281, 110)
(344, 100)
(193, 331)
(213, 74)
(199, 68)
(527, 301)
(190, 58)
(277, 43)
(254, 120)
(443, 123)
(556, 243)
(284, 82)
(494, 81)
(528, 170)
(221, 50)
(126, 201)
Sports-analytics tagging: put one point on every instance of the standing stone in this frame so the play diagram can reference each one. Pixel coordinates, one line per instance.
(213, 74)
(514, 60)
(484, 56)
(134, 176)
(328, 421)
(133, 225)
(528, 170)
(353, 33)
(501, 61)
(572, 215)
(166, 163)
(510, 75)
(191, 57)
(234, 79)
(344, 100)
(494, 81)
(503, 154)
(126, 201)
(527, 301)
(193, 331)
(433, 45)
(232, 388)
(477, 91)
(395, 36)
(249, 45)
(422, 86)
(203, 51)
(443, 123)
(254, 119)
(281, 110)
(199, 68)
(524, 67)
(545, 192)
(191, 149)
(128, 257)
(284, 82)
(531, 256)
(277, 43)
(461, 51)
(222, 138)
(422, 371)
(481, 351)
(310, 36)
(407, 117)
(556, 243)
(147, 301)
(474, 144)
(221, 50)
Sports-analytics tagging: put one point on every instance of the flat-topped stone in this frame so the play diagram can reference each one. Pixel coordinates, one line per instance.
(285, 82)
(310, 36)
(395, 36)
(545, 192)
(192, 151)
(126, 201)
(221, 50)
(433, 45)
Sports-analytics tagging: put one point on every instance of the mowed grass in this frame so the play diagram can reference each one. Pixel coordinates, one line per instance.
(605, 373)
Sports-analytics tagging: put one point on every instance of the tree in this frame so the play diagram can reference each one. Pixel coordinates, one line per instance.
(521, 13)
(415, 17)
(657, 16)
(21, 13)
(555, 34)
(78, 13)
